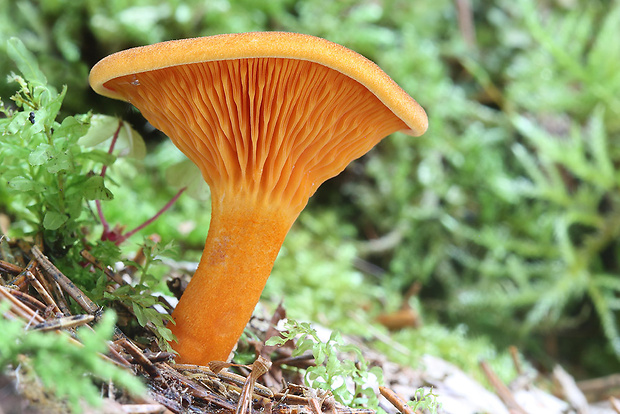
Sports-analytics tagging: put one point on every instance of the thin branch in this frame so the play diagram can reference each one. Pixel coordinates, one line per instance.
(99, 265)
(466, 22)
(45, 295)
(501, 389)
(152, 219)
(19, 308)
(73, 291)
(112, 145)
(106, 225)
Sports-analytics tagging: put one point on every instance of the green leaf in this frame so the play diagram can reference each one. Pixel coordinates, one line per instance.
(40, 155)
(70, 128)
(319, 353)
(139, 312)
(186, 174)
(94, 189)
(600, 148)
(103, 127)
(134, 144)
(16, 124)
(98, 156)
(166, 334)
(25, 61)
(54, 220)
(53, 158)
(303, 344)
(275, 340)
(59, 161)
(53, 103)
(20, 183)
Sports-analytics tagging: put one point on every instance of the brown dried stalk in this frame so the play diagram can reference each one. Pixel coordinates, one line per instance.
(396, 400)
(501, 389)
(201, 372)
(19, 308)
(43, 291)
(139, 358)
(97, 263)
(65, 283)
(65, 322)
(259, 368)
(194, 388)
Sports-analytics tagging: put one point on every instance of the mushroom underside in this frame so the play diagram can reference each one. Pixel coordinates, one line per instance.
(265, 132)
(271, 127)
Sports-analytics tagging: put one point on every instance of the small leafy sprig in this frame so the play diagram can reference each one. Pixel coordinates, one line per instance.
(141, 302)
(52, 168)
(139, 297)
(53, 356)
(334, 367)
(425, 401)
(48, 176)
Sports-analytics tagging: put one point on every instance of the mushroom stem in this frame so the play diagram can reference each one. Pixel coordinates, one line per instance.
(239, 253)
(267, 117)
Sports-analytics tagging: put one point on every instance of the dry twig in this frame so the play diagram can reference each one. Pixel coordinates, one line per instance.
(569, 390)
(514, 354)
(10, 268)
(466, 22)
(501, 389)
(144, 409)
(259, 368)
(396, 400)
(38, 286)
(68, 286)
(139, 357)
(195, 389)
(97, 263)
(599, 388)
(66, 322)
(200, 372)
(34, 303)
(19, 308)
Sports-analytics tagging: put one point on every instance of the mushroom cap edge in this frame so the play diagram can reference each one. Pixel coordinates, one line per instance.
(257, 45)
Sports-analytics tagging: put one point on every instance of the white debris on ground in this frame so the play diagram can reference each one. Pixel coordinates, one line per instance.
(459, 393)
(455, 389)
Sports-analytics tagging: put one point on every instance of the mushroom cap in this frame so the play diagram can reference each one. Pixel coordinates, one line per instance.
(268, 114)
(267, 117)
(262, 45)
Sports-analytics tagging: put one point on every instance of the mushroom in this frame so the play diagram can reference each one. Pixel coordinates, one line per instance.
(267, 117)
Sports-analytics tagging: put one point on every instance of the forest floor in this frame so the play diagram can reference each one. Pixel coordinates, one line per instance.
(274, 383)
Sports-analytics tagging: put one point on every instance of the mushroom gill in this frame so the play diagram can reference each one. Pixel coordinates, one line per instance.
(272, 129)
(267, 117)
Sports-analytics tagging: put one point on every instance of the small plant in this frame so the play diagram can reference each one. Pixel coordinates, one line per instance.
(48, 176)
(425, 401)
(338, 365)
(61, 365)
(138, 297)
(53, 170)
(334, 365)
(52, 174)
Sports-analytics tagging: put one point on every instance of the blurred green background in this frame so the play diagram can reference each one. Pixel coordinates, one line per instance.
(505, 214)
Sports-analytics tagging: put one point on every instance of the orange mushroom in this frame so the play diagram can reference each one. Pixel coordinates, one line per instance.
(267, 117)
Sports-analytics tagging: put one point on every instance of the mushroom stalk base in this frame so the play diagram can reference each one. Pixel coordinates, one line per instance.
(217, 304)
